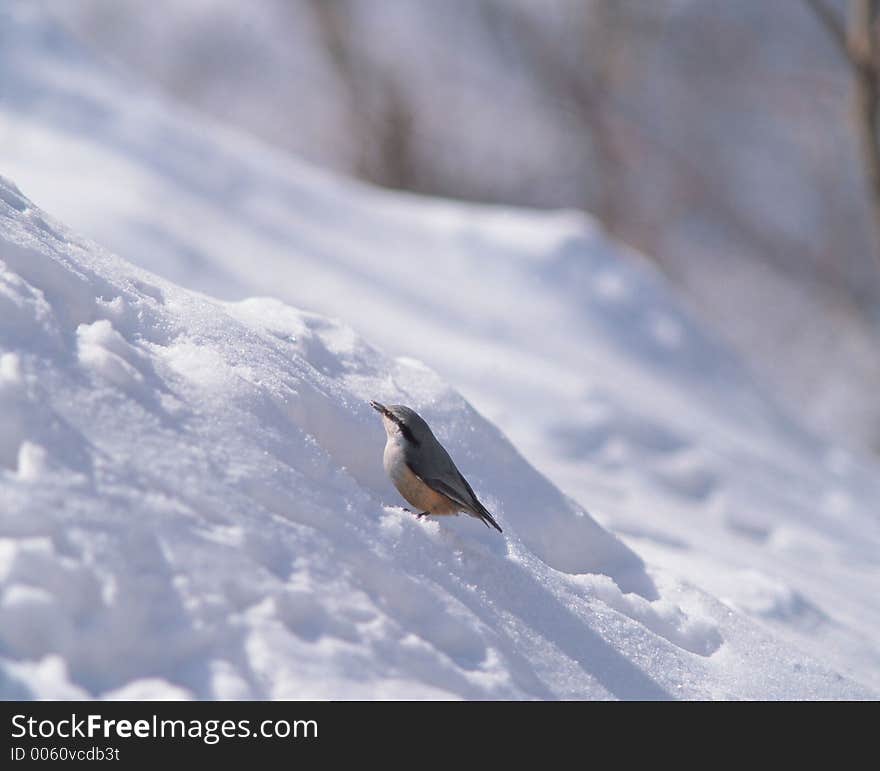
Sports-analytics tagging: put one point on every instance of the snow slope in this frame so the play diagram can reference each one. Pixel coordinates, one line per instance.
(715, 138)
(573, 346)
(192, 501)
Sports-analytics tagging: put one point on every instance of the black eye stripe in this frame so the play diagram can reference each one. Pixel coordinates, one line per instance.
(409, 435)
(405, 430)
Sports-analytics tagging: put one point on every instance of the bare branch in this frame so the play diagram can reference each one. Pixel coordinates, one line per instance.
(835, 26)
(863, 34)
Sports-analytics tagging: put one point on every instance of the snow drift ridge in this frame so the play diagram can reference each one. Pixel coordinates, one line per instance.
(181, 469)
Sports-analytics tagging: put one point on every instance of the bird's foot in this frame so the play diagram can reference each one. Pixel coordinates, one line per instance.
(423, 514)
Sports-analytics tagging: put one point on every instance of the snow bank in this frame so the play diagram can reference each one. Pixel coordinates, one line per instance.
(193, 505)
(186, 481)
(161, 447)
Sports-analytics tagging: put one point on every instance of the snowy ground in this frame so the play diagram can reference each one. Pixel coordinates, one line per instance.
(713, 134)
(191, 494)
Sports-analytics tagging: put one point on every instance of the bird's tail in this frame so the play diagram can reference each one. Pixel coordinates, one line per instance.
(488, 520)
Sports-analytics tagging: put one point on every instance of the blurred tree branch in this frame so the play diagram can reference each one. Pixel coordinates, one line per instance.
(856, 38)
(380, 115)
(832, 23)
(617, 131)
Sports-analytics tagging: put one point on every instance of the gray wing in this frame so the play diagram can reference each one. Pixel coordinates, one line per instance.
(440, 473)
(478, 509)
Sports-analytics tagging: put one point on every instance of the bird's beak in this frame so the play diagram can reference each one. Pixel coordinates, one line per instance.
(378, 407)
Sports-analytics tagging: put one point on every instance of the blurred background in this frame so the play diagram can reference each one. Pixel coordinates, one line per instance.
(730, 142)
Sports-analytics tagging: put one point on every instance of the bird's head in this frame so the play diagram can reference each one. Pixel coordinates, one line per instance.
(402, 421)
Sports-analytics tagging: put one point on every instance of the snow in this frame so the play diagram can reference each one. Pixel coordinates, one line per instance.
(192, 500)
(714, 136)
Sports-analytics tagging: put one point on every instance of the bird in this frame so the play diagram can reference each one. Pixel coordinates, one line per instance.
(422, 470)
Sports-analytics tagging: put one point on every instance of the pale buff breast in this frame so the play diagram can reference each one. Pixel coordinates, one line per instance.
(414, 491)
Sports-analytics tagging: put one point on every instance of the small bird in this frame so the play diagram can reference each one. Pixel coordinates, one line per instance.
(422, 470)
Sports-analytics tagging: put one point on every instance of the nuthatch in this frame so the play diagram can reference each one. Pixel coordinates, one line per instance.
(422, 470)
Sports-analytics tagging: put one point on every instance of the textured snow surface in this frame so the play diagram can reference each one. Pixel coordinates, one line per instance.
(194, 505)
(192, 501)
